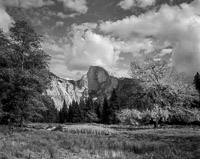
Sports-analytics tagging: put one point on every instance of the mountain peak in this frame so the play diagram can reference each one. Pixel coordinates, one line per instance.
(97, 83)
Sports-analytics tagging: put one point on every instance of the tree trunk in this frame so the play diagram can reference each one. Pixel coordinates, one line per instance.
(199, 99)
(21, 122)
(156, 124)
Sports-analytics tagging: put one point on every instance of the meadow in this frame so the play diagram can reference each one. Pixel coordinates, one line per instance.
(90, 141)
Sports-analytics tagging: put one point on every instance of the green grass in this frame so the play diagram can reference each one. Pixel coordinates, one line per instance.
(94, 141)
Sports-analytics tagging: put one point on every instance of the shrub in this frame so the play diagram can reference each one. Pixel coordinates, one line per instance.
(129, 116)
(181, 115)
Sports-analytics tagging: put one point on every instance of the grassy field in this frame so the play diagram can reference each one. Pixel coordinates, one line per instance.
(99, 141)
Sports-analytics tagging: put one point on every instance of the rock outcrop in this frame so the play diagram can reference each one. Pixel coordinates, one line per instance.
(96, 83)
(68, 90)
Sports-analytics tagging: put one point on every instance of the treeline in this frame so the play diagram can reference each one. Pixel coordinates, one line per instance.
(85, 111)
(89, 111)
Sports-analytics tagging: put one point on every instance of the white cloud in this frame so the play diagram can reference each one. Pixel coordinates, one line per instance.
(57, 52)
(26, 3)
(59, 23)
(63, 16)
(5, 19)
(178, 26)
(128, 4)
(89, 48)
(79, 6)
(135, 46)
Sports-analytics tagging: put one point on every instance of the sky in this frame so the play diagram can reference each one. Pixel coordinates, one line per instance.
(110, 33)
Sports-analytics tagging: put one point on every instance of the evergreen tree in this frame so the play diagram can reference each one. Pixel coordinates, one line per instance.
(89, 111)
(50, 115)
(71, 111)
(98, 111)
(197, 84)
(63, 113)
(105, 111)
(74, 113)
(113, 107)
(77, 116)
(81, 111)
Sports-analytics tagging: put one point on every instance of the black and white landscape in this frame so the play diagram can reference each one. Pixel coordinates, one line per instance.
(107, 79)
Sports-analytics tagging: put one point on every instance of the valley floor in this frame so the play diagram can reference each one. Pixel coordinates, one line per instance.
(90, 141)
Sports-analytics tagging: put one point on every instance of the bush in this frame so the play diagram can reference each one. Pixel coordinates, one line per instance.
(129, 116)
(181, 115)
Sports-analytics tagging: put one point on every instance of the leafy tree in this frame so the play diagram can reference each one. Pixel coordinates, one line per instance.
(162, 86)
(129, 116)
(24, 73)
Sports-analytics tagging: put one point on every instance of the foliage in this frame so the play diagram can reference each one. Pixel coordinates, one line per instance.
(181, 115)
(113, 108)
(50, 114)
(63, 113)
(105, 111)
(163, 87)
(196, 83)
(129, 116)
(155, 115)
(82, 112)
(24, 73)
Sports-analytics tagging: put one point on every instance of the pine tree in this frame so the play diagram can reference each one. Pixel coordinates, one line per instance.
(98, 111)
(89, 112)
(63, 113)
(50, 115)
(105, 111)
(113, 107)
(81, 111)
(197, 84)
(77, 117)
(71, 112)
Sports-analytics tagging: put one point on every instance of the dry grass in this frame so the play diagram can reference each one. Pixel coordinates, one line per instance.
(94, 141)
(89, 129)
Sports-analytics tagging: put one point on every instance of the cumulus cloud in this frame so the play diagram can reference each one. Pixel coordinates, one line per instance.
(135, 46)
(57, 51)
(26, 3)
(79, 6)
(5, 19)
(178, 26)
(59, 23)
(86, 48)
(89, 48)
(63, 16)
(128, 4)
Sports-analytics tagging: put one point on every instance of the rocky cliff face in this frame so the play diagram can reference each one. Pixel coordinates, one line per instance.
(100, 82)
(96, 83)
(67, 90)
